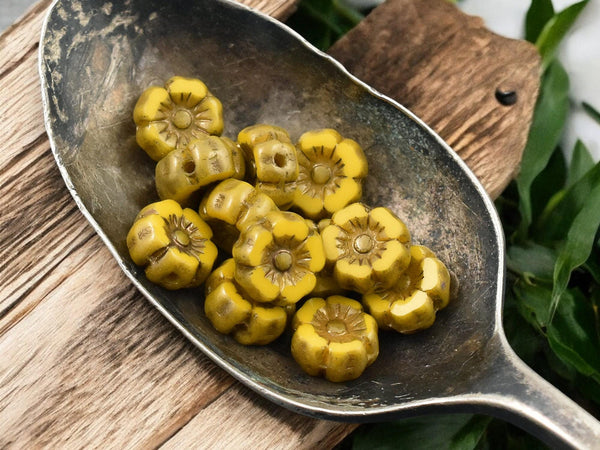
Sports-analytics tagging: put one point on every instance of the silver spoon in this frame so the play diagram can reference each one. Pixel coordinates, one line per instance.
(95, 60)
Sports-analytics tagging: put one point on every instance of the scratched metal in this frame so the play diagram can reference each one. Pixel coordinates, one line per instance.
(97, 57)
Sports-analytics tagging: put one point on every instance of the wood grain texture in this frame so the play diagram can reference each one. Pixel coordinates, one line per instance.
(85, 360)
(250, 419)
(445, 66)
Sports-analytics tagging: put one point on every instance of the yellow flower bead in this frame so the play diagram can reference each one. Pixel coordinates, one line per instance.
(366, 247)
(173, 244)
(230, 310)
(239, 163)
(257, 134)
(410, 305)
(170, 118)
(331, 170)
(334, 338)
(230, 207)
(271, 161)
(277, 258)
(184, 172)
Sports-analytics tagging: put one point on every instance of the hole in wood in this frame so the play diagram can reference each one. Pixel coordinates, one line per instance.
(506, 97)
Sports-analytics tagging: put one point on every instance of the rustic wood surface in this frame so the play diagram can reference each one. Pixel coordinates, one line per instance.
(445, 66)
(85, 360)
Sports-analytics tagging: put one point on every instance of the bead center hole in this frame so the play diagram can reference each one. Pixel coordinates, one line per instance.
(336, 327)
(280, 160)
(189, 167)
(320, 174)
(182, 119)
(283, 260)
(363, 243)
(181, 238)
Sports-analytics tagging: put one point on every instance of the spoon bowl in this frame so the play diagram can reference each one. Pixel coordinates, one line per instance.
(95, 61)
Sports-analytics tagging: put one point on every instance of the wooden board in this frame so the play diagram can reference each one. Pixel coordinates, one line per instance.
(446, 67)
(85, 360)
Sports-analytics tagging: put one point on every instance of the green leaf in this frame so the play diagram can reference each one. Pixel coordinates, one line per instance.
(590, 390)
(581, 163)
(573, 337)
(592, 266)
(592, 112)
(323, 22)
(546, 129)
(555, 30)
(572, 334)
(548, 182)
(531, 260)
(538, 14)
(348, 12)
(470, 435)
(505, 436)
(453, 431)
(533, 303)
(555, 223)
(507, 205)
(524, 339)
(578, 245)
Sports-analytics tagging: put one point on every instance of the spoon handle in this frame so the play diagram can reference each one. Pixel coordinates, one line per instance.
(516, 393)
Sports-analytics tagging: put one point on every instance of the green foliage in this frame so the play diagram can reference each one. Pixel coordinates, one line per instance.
(551, 217)
(555, 30)
(581, 163)
(539, 14)
(546, 130)
(323, 22)
(593, 112)
(451, 432)
(552, 251)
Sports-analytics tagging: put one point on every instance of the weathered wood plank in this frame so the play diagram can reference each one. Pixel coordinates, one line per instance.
(95, 363)
(445, 66)
(248, 418)
(86, 360)
(22, 38)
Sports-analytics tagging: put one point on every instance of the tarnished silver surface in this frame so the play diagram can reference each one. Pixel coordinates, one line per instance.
(97, 57)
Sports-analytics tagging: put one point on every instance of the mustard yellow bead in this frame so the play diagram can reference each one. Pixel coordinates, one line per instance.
(276, 258)
(183, 172)
(255, 283)
(170, 117)
(226, 200)
(173, 270)
(276, 162)
(254, 249)
(334, 338)
(221, 274)
(346, 361)
(435, 281)
(146, 237)
(331, 170)
(239, 162)
(410, 305)
(255, 208)
(230, 207)
(173, 244)
(271, 161)
(259, 133)
(230, 311)
(225, 308)
(367, 248)
(266, 325)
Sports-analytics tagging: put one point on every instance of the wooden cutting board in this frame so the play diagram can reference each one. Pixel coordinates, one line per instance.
(85, 360)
